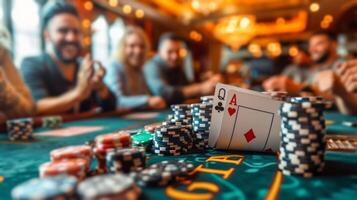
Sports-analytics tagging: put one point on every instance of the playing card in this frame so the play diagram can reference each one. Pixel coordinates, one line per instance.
(219, 103)
(250, 122)
(228, 120)
(247, 134)
(71, 131)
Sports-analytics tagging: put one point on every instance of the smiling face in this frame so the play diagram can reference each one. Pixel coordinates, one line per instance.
(63, 34)
(134, 50)
(170, 53)
(320, 48)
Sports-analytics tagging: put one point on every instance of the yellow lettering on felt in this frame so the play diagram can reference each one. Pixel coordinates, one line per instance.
(177, 194)
(225, 173)
(226, 159)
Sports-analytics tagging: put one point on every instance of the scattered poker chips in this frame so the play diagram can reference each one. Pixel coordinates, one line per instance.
(201, 122)
(52, 121)
(163, 173)
(77, 167)
(172, 140)
(302, 136)
(207, 99)
(126, 160)
(109, 186)
(19, 129)
(105, 143)
(68, 152)
(56, 187)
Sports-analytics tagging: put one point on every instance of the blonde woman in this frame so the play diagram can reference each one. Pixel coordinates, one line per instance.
(15, 98)
(125, 73)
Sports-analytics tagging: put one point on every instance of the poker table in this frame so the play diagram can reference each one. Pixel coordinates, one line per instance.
(218, 174)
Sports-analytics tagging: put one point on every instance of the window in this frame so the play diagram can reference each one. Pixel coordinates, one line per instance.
(26, 29)
(116, 32)
(100, 40)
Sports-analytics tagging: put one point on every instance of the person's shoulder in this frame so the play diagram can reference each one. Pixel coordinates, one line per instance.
(34, 61)
(153, 62)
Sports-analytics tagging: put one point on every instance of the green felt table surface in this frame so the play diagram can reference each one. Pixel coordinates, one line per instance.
(250, 175)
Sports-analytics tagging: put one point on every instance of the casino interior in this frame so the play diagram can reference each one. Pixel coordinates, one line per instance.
(178, 99)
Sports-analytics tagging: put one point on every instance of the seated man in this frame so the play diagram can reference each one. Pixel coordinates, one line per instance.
(58, 80)
(342, 85)
(322, 49)
(165, 76)
(125, 75)
(15, 98)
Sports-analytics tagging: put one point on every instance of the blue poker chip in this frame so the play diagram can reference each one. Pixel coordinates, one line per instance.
(55, 187)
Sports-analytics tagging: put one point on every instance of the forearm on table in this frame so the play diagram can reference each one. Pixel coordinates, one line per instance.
(138, 101)
(15, 104)
(347, 103)
(191, 91)
(56, 105)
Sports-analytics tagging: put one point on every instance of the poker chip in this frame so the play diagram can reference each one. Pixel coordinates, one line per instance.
(207, 99)
(52, 121)
(302, 136)
(143, 139)
(152, 127)
(109, 186)
(68, 152)
(172, 140)
(118, 139)
(56, 187)
(77, 167)
(19, 129)
(163, 173)
(201, 122)
(277, 95)
(126, 160)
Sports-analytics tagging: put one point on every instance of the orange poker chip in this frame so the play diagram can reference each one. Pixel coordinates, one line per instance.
(114, 138)
(69, 152)
(76, 167)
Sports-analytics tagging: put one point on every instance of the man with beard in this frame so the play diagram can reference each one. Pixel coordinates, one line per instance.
(322, 49)
(59, 81)
(165, 76)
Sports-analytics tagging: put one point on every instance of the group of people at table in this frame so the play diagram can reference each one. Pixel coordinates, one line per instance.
(61, 81)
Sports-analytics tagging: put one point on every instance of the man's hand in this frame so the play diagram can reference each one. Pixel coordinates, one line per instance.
(156, 102)
(347, 72)
(281, 83)
(84, 86)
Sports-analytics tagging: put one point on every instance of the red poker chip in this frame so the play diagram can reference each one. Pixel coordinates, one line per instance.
(69, 152)
(114, 138)
(152, 127)
(75, 166)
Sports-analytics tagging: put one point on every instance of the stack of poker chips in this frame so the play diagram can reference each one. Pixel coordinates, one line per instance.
(107, 142)
(163, 173)
(302, 136)
(182, 113)
(201, 122)
(70, 152)
(52, 122)
(109, 186)
(19, 129)
(77, 167)
(172, 140)
(207, 99)
(56, 187)
(126, 160)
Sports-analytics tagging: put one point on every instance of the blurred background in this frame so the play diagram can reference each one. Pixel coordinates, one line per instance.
(237, 38)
